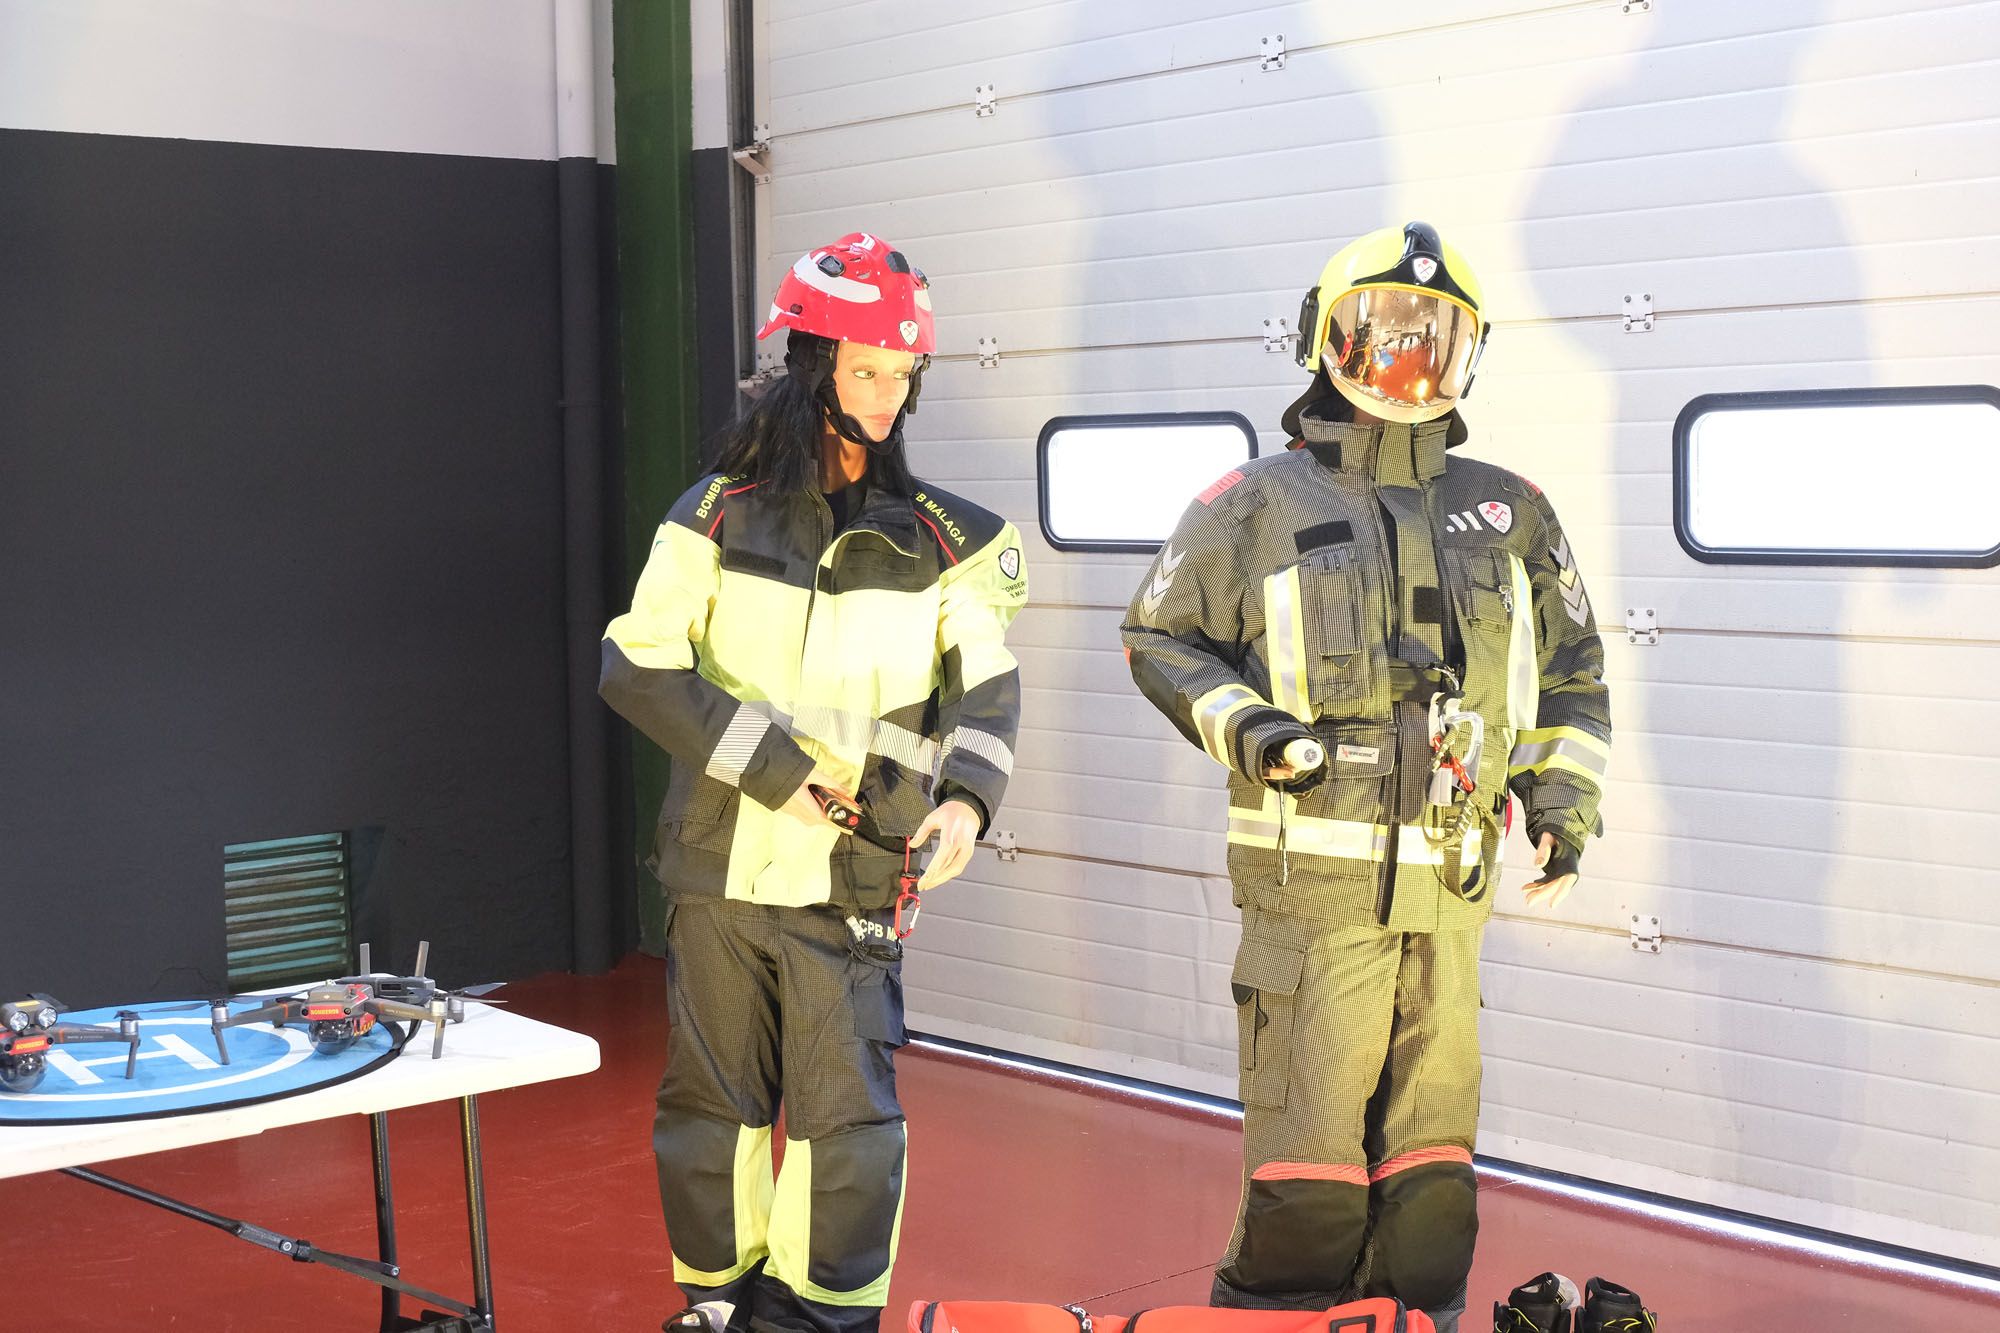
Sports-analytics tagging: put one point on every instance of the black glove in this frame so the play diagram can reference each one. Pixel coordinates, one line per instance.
(1274, 755)
(1563, 858)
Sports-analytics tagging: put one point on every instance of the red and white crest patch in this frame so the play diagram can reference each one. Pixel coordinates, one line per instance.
(1425, 266)
(1498, 515)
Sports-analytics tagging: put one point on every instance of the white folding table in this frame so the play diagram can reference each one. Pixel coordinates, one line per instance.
(490, 1050)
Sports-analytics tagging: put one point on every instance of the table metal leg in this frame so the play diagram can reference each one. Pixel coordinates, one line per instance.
(475, 1208)
(385, 1217)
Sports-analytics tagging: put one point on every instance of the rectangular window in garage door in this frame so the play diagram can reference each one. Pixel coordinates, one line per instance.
(1120, 483)
(1840, 477)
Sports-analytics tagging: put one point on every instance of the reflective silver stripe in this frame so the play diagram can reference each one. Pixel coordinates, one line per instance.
(1414, 849)
(846, 730)
(1345, 839)
(1529, 754)
(984, 744)
(738, 744)
(1285, 643)
(1212, 713)
(917, 753)
(1524, 694)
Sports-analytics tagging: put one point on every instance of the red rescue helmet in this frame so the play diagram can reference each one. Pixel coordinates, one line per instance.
(860, 289)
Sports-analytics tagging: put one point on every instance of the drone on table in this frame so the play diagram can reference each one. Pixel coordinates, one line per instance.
(338, 1013)
(30, 1028)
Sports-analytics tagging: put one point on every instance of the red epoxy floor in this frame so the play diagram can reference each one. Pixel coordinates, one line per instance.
(1020, 1189)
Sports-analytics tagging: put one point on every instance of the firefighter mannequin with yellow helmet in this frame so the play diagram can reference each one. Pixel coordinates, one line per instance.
(1381, 643)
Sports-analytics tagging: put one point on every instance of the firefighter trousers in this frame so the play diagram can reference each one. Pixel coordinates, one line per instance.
(1359, 1061)
(782, 1005)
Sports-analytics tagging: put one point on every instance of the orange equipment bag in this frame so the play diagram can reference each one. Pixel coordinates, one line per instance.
(1381, 1315)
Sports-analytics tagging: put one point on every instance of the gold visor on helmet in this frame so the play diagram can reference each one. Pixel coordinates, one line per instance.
(1401, 353)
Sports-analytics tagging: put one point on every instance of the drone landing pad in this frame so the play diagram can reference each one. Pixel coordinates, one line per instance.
(179, 1072)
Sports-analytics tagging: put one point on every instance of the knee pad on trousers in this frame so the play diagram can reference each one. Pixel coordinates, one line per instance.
(1426, 1220)
(1298, 1235)
(705, 1167)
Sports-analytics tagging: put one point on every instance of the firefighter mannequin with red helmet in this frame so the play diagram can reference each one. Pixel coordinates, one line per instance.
(1380, 643)
(812, 622)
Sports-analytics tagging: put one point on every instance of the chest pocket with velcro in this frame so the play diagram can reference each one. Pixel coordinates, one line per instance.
(1484, 597)
(1339, 649)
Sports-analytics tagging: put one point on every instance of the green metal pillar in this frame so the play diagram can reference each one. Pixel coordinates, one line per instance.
(654, 92)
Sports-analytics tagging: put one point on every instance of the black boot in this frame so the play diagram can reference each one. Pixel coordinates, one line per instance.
(1610, 1308)
(1540, 1305)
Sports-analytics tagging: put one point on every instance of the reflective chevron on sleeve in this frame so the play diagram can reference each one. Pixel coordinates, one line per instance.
(1570, 582)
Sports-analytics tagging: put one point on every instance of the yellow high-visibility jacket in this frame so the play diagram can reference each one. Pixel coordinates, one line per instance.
(760, 643)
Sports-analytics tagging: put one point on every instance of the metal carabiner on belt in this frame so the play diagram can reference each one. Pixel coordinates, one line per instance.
(1453, 777)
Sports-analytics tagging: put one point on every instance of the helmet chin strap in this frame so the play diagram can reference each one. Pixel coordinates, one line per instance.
(809, 359)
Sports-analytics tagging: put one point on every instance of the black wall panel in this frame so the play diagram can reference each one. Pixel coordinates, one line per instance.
(280, 550)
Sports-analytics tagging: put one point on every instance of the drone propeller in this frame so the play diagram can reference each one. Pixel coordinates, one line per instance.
(224, 1001)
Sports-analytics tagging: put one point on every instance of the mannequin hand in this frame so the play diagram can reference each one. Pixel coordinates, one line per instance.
(958, 826)
(1549, 891)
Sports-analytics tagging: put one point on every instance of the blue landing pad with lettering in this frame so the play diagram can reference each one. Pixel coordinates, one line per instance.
(179, 1072)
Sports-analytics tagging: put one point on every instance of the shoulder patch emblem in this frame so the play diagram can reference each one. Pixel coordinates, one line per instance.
(1219, 485)
(1010, 562)
(1498, 513)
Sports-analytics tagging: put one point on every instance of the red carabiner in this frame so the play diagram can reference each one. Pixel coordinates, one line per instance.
(906, 886)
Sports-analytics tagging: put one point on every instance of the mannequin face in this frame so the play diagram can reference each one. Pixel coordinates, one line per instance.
(872, 384)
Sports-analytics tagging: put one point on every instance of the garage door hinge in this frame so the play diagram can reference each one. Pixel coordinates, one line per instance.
(1646, 934)
(1638, 6)
(1642, 625)
(983, 100)
(1277, 335)
(1005, 843)
(989, 353)
(1271, 53)
(755, 157)
(1639, 313)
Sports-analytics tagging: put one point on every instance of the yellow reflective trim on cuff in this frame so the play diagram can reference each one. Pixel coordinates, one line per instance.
(1211, 715)
(1568, 748)
(1285, 643)
(1542, 735)
(1561, 763)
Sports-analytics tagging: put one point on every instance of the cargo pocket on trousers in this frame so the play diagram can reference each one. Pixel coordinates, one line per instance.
(1265, 985)
(875, 998)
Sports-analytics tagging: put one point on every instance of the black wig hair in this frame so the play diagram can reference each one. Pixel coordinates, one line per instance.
(776, 444)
